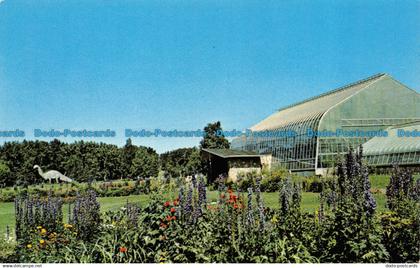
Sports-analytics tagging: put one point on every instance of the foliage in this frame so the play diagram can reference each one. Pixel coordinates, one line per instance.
(313, 184)
(4, 173)
(270, 180)
(350, 231)
(402, 187)
(85, 217)
(69, 192)
(83, 161)
(401, 235)
(184, 229)
(401, 226)
(181, 162)
(7, 247)
(235, 227)
(32, 212)
(145, 163)
(213, 137)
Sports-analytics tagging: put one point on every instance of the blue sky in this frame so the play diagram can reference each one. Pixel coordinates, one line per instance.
(181, 64)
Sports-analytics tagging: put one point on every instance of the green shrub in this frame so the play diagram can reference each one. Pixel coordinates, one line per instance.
(402, 224)
(401, 236)
(7, 251)
(350, 231)
(313, 184)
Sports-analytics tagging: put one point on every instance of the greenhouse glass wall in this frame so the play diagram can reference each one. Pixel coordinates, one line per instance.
(342, 118)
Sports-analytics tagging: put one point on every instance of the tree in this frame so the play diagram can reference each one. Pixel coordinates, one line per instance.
(82, 161)
(128, 155)
(4, 173)
(213, 137)
(145, 163)
(181, 162)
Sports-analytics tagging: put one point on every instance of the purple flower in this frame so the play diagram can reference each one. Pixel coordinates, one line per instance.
(285, 193)
(250, 214)
(369, 200)
(260, 204)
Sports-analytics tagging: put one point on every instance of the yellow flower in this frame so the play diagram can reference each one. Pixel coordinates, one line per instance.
(39, 227)
(29, 246)
(42, 241)
(68, 226)
(274, 219)
(53, 235)
(43, 231)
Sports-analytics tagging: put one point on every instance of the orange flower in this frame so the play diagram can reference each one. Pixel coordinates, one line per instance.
(123, 249)
(175, 203)
(222, 195)
(235, 206)
(162, 225)
(173, 210)
(168, 218)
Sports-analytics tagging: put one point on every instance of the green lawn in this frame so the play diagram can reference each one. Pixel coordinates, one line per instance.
(379, 181)
(310, 203)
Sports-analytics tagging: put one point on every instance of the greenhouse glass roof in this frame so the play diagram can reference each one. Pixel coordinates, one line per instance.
(394, 144)
(313, 107)
(230, 153)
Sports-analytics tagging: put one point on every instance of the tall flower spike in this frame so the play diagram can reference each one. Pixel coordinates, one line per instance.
(189, 203)
(284, 197)
(260, 204)
(202, 192)
(321, 207)
(369, 200)
(7, 232)
(194, 181)
(250, 216)
(181, 200)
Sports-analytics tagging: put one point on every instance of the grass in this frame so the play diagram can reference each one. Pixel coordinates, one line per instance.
(379, 181)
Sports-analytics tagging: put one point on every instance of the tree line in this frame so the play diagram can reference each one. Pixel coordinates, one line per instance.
(83, 161)
(89, 161)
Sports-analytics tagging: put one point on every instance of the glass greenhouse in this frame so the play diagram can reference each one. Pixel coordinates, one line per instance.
(402, 146)
(347, 116)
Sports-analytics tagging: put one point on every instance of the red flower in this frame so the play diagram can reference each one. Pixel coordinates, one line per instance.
(167, 204)
(162, 225)
(175, 203)
(123, 249)
(168, 218)
(174, 218)
(173, 210)
(235, 206)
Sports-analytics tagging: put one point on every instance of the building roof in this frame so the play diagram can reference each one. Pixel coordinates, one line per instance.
(393, 143)
(230, 153)
(315, 106)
